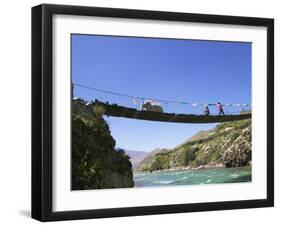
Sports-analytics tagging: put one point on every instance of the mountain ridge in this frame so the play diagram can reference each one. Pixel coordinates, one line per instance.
(135, 156)
(227, 145)
(149, 156)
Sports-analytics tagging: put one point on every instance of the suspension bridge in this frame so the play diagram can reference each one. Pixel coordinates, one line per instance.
(113, 109)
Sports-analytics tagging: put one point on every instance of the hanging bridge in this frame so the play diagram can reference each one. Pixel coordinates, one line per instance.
(113, 109)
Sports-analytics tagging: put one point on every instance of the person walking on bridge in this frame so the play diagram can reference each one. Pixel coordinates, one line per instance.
(207, 111)
(220, 108)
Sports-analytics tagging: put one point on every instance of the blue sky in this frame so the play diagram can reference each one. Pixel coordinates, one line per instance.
(181, 70)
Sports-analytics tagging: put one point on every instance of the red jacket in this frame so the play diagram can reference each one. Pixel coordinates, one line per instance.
(219, 106)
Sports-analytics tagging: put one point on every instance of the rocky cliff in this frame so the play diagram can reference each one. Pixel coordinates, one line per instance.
(227, 145)
(96, 163)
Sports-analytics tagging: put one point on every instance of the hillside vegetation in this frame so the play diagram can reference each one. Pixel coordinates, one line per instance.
(95, 161)
(227, 145)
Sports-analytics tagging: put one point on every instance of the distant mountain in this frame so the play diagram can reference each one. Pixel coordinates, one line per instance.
(149, 157)
(147, 160)
(136, 157)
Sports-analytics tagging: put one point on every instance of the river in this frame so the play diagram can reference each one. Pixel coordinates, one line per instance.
(191, 177)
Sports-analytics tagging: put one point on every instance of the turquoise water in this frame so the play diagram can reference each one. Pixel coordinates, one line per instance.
(191, 177)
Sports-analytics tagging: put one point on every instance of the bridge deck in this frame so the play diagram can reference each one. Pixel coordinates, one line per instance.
(119, 111)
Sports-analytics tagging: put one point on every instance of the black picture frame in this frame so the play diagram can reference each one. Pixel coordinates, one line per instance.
(42, 111)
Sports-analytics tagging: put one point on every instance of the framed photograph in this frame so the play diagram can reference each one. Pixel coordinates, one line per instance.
(145, 112)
